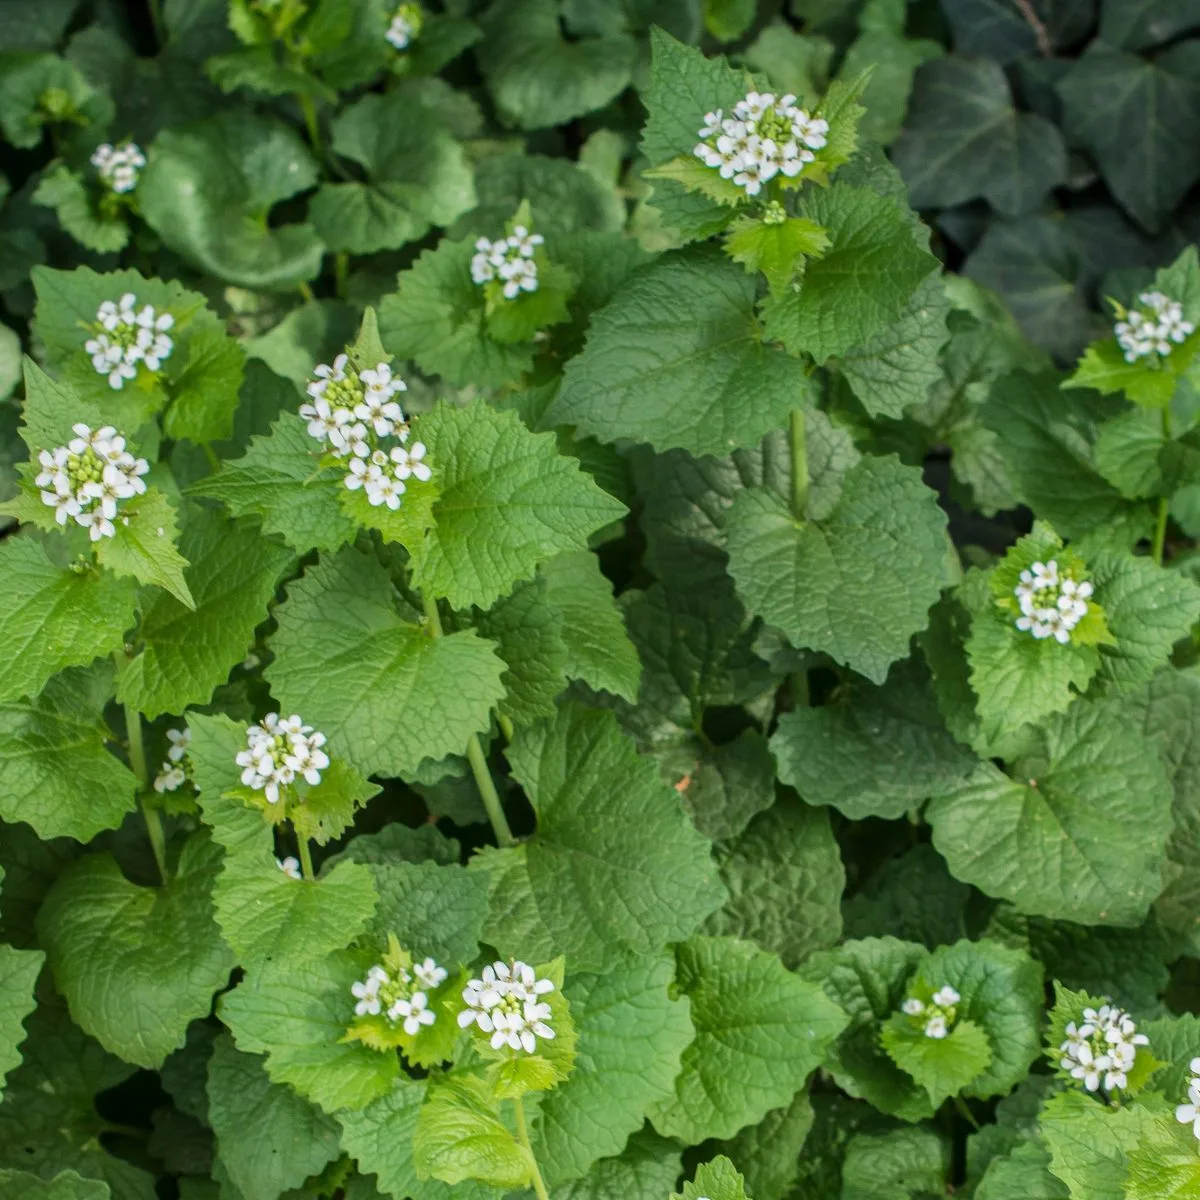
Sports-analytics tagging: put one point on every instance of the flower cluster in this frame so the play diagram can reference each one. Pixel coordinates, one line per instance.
(938, 1015)
(126, 337)
(277, 751)
(765, 137)
(401, 996)
(1102, 1048)
(405, 26)
(290, 866)
(118, 166)
(1052, 604)
(353, 413)
(509, 259)
(1153, 327)
(505, 1003)
(173, 774)
(89, 477)
(1189, 1113)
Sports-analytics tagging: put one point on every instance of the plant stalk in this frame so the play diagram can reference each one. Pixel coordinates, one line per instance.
(799, 464)
(963, 1111)
(306, 867)
(1164, 504)
(479, 768)
(137, 760)
(156, 21)
(309, 109)
(341, 271)
(539, 1184)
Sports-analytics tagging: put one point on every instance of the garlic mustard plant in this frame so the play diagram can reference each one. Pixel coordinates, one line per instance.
(504, 1003)
(1051, 606)
(405, 26)
(1153, 328)
(1189, 1113)
(279, 751)
(936, 1015)
(1100, 1049)
(509, 260)
(126, 339)
(119, 166)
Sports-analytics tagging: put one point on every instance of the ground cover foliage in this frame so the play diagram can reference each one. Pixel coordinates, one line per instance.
(716, 485)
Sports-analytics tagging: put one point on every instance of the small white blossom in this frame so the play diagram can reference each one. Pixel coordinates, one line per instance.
(935, 1017)
(119, 166)
(510, 259)
(946, 997)
(1101, 1050)
(913, 1007)
(125, 338)
(504, 1002)
(180, 740)
(429, 974)
(87, 479)
(1189, 1113)
(409, 462)
(277, 752)
(1153, 329)
(394, 994)
(935, 1027)
(290, 866)
(169, 778)
(405, 26)
(415, 1011)
(1052, 603)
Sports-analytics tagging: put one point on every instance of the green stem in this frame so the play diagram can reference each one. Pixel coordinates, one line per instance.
(137, 761)
(1164, 504)
(310, 122)
(156, 20)
(341, 272)
(211, 455)
(306, 867)
(306, 292)
(960, 1106)
(799, 464)
(479, 767)
(539, 1184)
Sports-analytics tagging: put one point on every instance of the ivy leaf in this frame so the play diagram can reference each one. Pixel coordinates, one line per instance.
(1077, 832)
(615, 865)
(598, 649)
(860, 285)
(869, 980)
(186, 652)
(136, 964)
(1145, 23)
(963, 139)
(871, 751)
(56, 773)
(279, 480)
(418, 177)
(632, 1033)
(1134, 114)
(144, 546)
(760, 1032)
(537, 77)
(368, 638)
(298, 1019)
(508, 502)
(785, 880)
(54, 618)
(998, 29)
(460, 1136)
(436, 317)
(677, 359)
(855, 584)
(715, 1180)
(268, 1138)
(19, 970)
(212, 216)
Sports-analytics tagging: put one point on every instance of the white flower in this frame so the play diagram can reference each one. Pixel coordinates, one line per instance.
(1102, 1049)
(97, 524)
(119, 166)
(429, 974)
(290, 866)
(510, 259)
(410, 462)
(125, 338)
(504, 1003)
(392, 994)
(169, 778)
(1153, 329)
(912, 1007)
(935, 1027)
(405, 26)
(946, 997)
(415, 1012)
(1051, 604)
(367, 993)
(277, 751)
(377, 408)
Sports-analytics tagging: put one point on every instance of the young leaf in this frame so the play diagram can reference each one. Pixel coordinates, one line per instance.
(144, 546)
(136, 964)
(777, 249)
(19, 970)
(715, 1180)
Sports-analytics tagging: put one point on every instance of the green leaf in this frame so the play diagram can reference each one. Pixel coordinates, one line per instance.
(67, 1185)
(28, 80)
(537, 77)
(892, 61)
(598, 650)
(372, 661)
(1128, 451)
(760, 1032)
(785, 881)
(871, 751)
(460, 1136)
(210, 183)
(298, 1019)
(56, 772)
(869, 980)
(856, 583)
(204, 387)
(999, 30)
(1143, 23)
(715, 1180)
(136, 964)
(1139, 118)
(54, 618)
(1089, 1143)
(1164, 1163)
(268, 1138)
(1103, 367)
(418, 177)
(677, 359)
(778, 250)
(508, 503)
(1046, 438)
(1076, 832)
(144, 546)
(1024, 1174)
(632, 1033)
(943, 1067)
(903, 1164)
(963, 139)
(727, 20)
(78, 211)
(19, 970)
(280, 481)
(768, 1154)
(615, 865)
(899, 365)
(186, 652)
(860, 285)
(648, 1166)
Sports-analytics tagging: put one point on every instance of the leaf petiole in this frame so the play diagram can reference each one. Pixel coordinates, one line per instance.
(539, 1185)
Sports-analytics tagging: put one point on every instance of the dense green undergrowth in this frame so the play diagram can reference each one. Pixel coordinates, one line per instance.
(599, 600)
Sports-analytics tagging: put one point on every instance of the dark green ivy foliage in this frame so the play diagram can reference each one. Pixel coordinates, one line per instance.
(692, 676)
